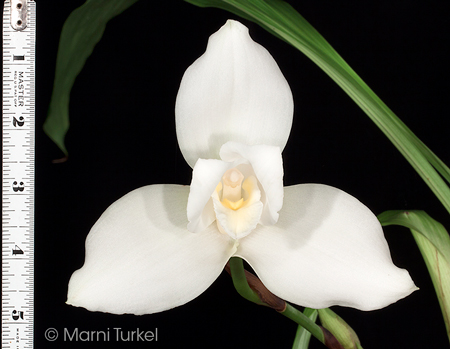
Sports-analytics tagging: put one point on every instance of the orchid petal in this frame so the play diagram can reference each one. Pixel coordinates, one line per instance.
(205, 177)
(326, 249)
(140, 258)
(234, 92)
(267, 165)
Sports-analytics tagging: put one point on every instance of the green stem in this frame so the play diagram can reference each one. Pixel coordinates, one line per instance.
(302, 336)
(240, 281)
(304, 321)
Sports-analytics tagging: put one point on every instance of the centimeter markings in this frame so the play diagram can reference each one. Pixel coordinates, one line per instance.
(18, 173)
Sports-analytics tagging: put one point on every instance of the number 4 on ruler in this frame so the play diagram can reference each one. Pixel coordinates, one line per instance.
(18, 167)
(17, 250)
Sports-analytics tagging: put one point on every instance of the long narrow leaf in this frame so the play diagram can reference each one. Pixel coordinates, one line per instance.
(437, 163)
(434, 244)
(82, 30)
(282, 20)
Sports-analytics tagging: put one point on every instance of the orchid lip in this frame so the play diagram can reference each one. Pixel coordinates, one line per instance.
(239, 192)
(237, 203)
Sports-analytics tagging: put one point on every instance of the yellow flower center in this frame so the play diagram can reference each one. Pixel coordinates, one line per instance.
(237, 204)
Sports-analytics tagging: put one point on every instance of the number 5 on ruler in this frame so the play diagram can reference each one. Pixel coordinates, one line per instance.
(18, 127)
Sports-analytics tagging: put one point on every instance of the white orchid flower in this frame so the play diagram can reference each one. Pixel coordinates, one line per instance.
(161, 246)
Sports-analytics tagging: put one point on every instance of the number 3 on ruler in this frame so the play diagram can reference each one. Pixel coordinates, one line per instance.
(18, 167)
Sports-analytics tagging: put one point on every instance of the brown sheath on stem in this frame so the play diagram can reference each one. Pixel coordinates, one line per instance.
(279, 304)
(263, 293)
(330, 340)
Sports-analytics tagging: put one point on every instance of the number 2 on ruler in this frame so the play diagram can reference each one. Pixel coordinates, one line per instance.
(19, 19)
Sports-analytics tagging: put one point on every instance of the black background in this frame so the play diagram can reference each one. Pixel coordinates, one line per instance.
(122, 136)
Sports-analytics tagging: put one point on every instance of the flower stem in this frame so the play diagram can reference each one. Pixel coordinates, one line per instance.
(240, 281)
(304, 321)
(302, 336)
(252, 289)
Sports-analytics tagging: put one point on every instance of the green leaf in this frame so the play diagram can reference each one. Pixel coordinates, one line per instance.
(339, 328)
(282, 20)
(303, 336)
(81, 32)
(434, 245)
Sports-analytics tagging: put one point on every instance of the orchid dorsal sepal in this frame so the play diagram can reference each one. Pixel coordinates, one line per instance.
(233, 68)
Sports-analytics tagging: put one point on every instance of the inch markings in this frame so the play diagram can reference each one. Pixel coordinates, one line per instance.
(18, 164)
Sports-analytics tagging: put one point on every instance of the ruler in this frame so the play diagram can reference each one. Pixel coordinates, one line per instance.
(19, 33)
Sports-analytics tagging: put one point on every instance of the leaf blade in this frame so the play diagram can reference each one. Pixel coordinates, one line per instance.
(82, 30)
(434, 244)
(421, 222)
